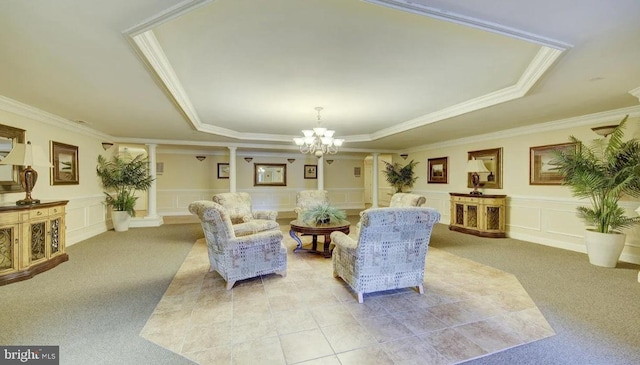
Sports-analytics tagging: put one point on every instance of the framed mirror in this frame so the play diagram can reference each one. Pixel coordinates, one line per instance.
(269, 174)
(9, 174)
(492, 159)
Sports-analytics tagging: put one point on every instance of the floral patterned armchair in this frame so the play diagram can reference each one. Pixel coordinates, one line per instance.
(310, 198)
(237, 258)
(239, 208)
(407, 200)
(390, 251)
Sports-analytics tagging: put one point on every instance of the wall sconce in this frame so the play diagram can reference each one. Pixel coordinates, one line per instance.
(107, 145)
(329, 162)
(604, 130)
(291, 160)
(248, 159)
(404, 156)
(201, 158)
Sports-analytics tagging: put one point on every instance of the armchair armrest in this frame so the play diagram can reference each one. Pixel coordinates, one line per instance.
(344, 241)
(260, 238)
(271, 215)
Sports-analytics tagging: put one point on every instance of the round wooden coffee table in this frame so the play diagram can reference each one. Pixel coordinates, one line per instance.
(316, 230)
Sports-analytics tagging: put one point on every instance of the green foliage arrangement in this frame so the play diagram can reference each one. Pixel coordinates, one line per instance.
(603, 172)
(400, 177)
(323, 213)
(123, 175)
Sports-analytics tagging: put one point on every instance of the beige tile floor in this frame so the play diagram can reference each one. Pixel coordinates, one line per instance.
(468, 310)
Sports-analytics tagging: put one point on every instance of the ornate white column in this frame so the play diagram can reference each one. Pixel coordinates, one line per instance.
(152, 193)
(374, 181)
(232, 169)
(320, 171)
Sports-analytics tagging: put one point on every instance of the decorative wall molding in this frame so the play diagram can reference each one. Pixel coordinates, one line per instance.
(584, 120)
(415, 8)
(36, 114)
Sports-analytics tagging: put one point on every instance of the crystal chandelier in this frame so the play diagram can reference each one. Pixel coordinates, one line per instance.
(318, 141)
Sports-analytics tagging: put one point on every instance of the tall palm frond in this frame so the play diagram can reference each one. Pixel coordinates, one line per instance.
(603, 172)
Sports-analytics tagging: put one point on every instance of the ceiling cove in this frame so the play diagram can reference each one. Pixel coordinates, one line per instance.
(147, 46)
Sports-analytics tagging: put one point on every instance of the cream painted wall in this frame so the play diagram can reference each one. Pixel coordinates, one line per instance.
(539, 214)
(536, 213)
(85, 212)
(186, 179)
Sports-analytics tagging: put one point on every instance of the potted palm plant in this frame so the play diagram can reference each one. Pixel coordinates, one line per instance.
(603, 172)
(322, 214)
(400, 177)
(122, 176)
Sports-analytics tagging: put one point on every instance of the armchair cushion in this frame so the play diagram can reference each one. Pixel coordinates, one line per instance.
(407, 200)
(239, 257)
(245, 221)
(240, 209)
(306, 199)
(390, 250)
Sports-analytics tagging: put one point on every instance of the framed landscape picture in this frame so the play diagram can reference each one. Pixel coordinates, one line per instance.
(437, 170)
(64, 158)
(541, 171)
(310, 171)
(223, 170)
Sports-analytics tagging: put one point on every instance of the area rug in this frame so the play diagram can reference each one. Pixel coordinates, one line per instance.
(469, 310)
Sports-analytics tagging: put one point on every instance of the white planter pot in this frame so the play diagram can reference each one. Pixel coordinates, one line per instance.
(604, 249)
(120, 220)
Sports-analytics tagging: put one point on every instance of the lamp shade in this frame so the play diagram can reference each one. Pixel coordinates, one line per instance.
(476, 166)
(26, 155)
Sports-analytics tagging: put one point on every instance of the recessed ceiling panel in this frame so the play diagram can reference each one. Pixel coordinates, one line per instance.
(262, 66)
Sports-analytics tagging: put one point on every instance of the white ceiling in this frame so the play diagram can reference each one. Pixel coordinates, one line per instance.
(251, 72)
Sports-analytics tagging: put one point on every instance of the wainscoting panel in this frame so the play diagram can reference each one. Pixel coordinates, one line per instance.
(558, 225)
(439, 201)
(525, 217)
(86, 217)
(175, 202)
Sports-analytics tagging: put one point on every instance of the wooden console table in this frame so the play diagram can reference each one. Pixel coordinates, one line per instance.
(32, 239)
(481, 215)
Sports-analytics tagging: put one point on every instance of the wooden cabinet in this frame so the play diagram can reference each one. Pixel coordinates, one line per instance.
(481, 215)
(32, 239)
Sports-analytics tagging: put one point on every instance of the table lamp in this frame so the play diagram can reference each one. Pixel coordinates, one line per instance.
(27, 155)
(474, 167)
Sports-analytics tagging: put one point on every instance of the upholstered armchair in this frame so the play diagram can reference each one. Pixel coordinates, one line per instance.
(306, 199)
(390, 251)
(237, 258)
(402, 200)
(239, 208)
(407, 200)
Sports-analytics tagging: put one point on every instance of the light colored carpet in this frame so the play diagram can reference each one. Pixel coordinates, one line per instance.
(469, 310)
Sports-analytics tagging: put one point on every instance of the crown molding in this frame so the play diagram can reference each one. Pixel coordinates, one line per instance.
(147, 46)
(635, 92)
(165, 16)
(585, 120)
(543, 60)
(411, 7)
(36, 114)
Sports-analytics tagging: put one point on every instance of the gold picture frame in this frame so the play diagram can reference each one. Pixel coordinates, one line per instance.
(269, 174)
(438, 170)
(492, 159)
(64, 158)
(541, 170)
